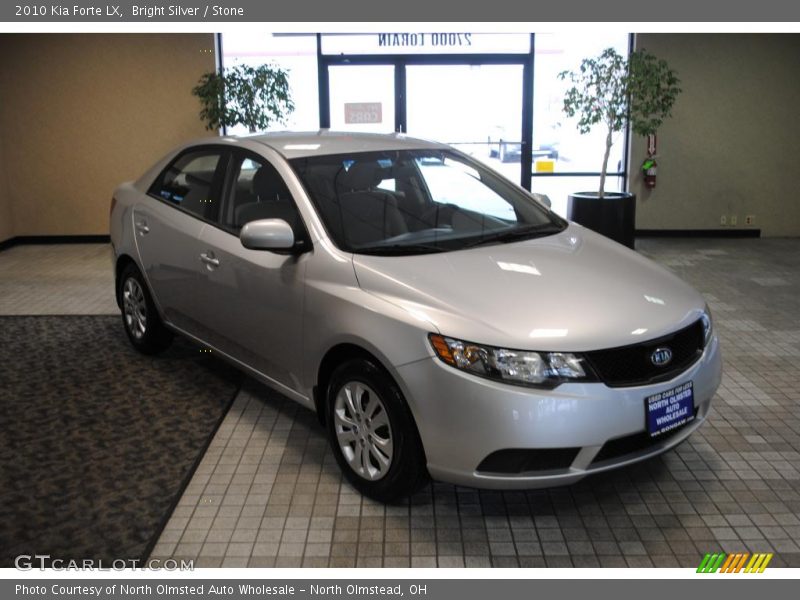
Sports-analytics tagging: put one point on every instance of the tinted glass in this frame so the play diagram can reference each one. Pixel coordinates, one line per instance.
(189, 183)
(418, 201)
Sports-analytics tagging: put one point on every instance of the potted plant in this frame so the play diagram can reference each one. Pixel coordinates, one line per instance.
(610, 91)
(255, 97)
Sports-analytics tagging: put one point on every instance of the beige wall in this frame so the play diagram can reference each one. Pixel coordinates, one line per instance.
(733, 144)
(6, 216)
(79, 114)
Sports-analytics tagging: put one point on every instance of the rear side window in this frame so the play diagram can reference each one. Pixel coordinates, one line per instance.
(189, 182)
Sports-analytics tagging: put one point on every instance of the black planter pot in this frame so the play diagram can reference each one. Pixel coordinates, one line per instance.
(614, 216)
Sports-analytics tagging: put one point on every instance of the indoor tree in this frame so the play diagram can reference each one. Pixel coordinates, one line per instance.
(255, 97)
(613, 91)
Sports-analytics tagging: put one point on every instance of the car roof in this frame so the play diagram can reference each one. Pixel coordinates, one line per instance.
(319, 143)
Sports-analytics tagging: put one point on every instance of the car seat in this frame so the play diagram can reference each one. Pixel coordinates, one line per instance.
(368, 213)
(272, 200)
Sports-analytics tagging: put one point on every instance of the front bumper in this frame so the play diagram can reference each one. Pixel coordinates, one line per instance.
(462, 419)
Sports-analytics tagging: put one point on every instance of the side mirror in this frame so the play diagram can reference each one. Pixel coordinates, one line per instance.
(267, 234)
(542, 199)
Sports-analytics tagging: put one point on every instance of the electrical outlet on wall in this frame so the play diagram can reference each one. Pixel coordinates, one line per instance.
(723, 220)
(733, 220)
(750, 220)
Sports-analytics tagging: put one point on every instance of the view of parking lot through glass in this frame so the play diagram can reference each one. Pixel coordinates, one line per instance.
(475, 107)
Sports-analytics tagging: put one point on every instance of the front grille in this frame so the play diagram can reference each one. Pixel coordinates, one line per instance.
(515, 461)
(631, 365)
(631, 444)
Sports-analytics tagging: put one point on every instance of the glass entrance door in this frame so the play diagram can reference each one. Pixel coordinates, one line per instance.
(362, 98)
(476, 108)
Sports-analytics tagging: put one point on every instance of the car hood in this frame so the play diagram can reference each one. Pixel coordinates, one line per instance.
(573, 291)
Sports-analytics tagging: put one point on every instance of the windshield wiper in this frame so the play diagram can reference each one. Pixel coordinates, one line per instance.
(398, 249)
(517, 233)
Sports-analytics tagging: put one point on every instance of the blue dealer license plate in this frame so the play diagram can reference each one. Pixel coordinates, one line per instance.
(669, 409)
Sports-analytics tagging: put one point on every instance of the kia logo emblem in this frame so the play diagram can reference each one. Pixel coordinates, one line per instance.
(661, 357)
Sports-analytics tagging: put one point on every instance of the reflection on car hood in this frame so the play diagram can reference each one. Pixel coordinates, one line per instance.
(572, 291)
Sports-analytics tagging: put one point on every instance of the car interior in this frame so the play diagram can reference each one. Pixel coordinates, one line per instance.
(370, 201)
(263, 195)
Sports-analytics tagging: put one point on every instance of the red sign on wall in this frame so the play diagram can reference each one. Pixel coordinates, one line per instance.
(362, 112)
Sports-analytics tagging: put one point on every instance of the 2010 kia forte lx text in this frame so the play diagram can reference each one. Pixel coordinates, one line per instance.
(438, 318)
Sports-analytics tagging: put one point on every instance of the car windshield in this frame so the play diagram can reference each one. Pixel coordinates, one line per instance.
(418, 201)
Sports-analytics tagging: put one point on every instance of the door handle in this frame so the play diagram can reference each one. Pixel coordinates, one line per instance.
(208, 258)
(142, 228)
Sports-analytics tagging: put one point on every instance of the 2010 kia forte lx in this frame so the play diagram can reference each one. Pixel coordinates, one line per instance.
(438, 318)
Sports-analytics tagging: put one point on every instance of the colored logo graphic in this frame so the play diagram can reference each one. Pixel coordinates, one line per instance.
(734, 563)
(661, 357)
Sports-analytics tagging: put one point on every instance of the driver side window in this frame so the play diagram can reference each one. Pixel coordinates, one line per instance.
(259, 192)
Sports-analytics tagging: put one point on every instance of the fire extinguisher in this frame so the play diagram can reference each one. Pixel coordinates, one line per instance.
(649, 166)
(650, 169)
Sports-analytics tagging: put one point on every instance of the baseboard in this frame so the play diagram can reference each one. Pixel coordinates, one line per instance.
(54, 239)
(695, 233)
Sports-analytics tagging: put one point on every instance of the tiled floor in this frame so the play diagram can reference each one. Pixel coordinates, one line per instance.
(269, 493)
(58, 279)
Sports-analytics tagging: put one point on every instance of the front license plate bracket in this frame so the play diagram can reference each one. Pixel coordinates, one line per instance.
(670, 409)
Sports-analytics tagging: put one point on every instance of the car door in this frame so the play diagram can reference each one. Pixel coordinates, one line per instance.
(167, 225)
(254, 298)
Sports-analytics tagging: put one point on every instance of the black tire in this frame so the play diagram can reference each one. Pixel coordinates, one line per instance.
(406, 471)
(147, 333)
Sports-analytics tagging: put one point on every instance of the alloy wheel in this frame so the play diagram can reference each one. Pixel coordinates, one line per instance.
(362, 430)
(135, 308)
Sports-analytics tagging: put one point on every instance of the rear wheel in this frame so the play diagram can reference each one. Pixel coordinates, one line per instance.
(139, 315)
(372, 432)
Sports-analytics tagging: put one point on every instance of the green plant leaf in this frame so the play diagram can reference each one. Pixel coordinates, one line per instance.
(608, 89)
(256, 97)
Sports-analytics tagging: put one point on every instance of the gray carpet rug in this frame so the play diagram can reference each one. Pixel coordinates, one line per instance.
(97, 442)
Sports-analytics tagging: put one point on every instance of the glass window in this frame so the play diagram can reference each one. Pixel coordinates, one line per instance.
(476, 108)
(259, 192)
(453, 183)
(434, 201)
(557, 144)
(296, 53)
(189, 183)
(559, 188)
(362, 98)
(426, 42)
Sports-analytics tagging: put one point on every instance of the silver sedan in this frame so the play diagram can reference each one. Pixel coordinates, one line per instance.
(439, 319)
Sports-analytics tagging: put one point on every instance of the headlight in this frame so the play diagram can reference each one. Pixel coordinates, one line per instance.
(520, 367)
(708, 325)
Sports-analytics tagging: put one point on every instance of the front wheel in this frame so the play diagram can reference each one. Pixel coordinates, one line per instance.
(139, 315)
(372, 432)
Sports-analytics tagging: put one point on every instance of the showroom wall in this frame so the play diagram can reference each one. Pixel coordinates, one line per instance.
(733, 144)
(6, 216)
(81, 113)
